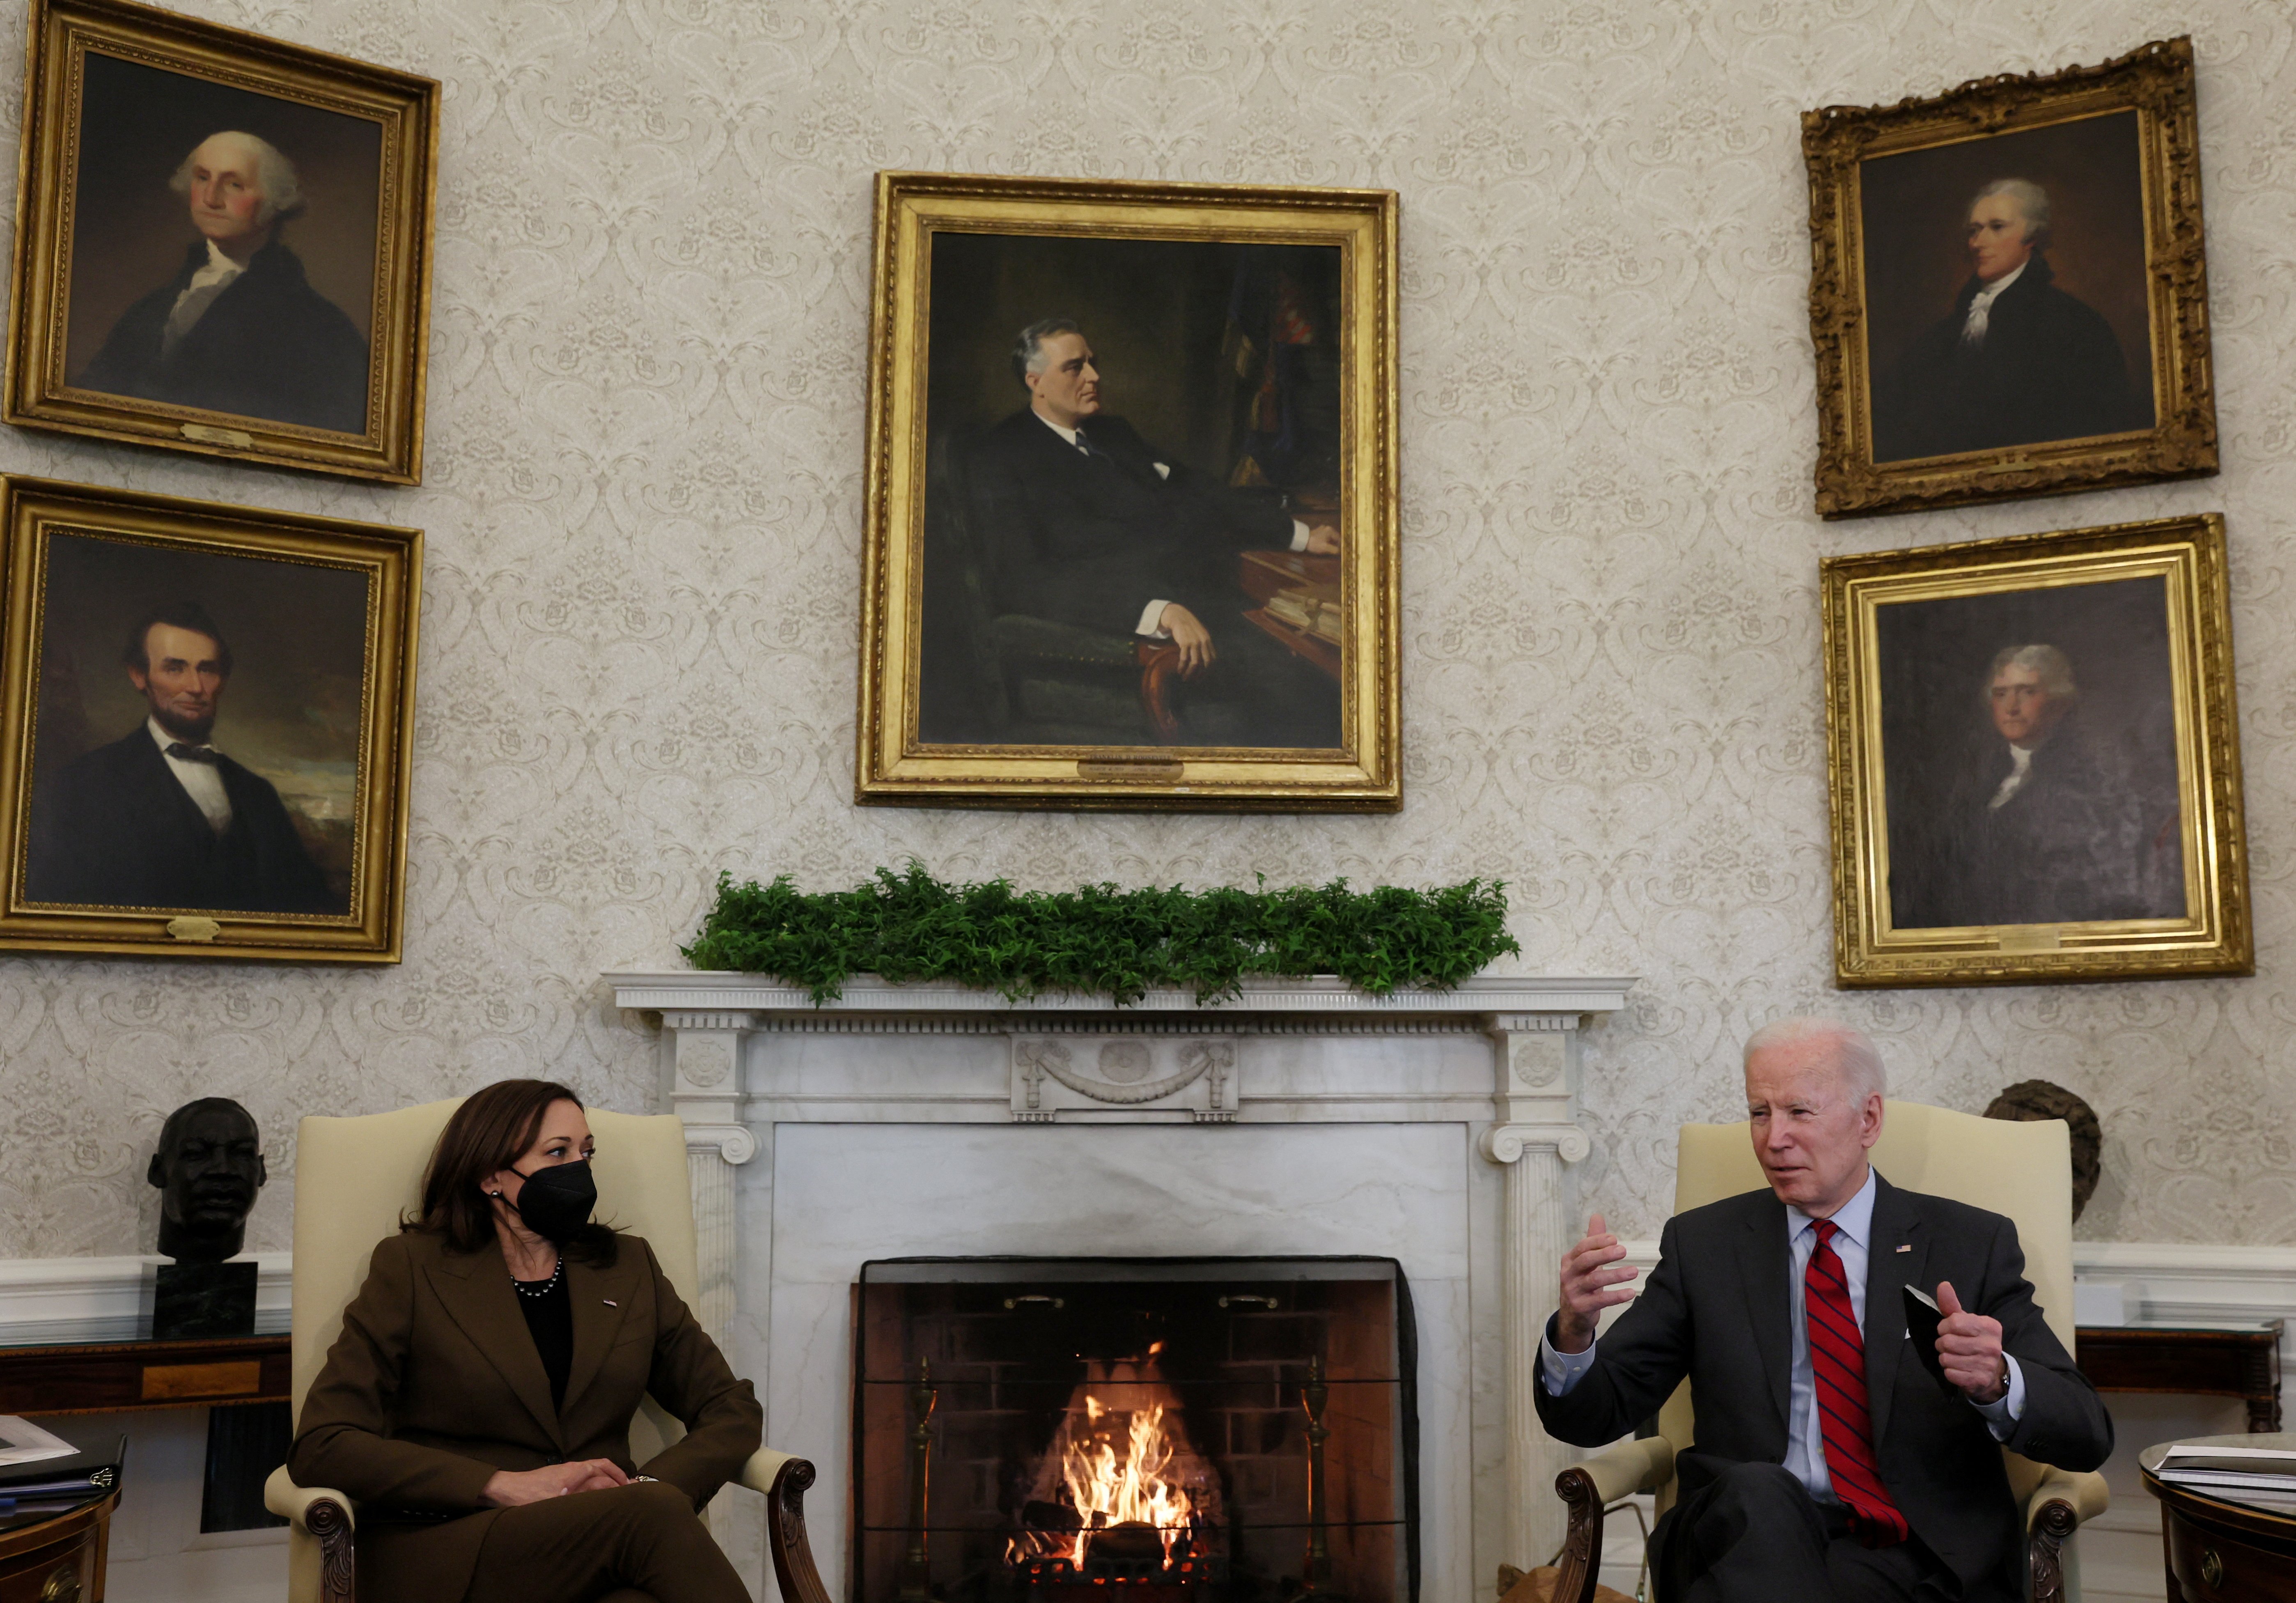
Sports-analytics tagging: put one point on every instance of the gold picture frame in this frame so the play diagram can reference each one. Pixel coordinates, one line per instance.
(2034, 757)
(144, 810)
(309, 182)
(2087, 366)
(1007, 659)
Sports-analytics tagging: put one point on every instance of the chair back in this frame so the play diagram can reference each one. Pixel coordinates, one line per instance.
(355, 1177)
(2022, 1169)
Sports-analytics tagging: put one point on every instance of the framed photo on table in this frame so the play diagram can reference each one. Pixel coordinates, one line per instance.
(222, 244)
(205, 717)
(2035, 760)
(1131, 526)
(2009, 287)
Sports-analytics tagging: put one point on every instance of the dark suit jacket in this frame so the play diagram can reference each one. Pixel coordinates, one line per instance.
(1092, 542)
(269, 346)
(2049, 368)
(435, 1384)
(1716, 1309)
(2075, 842)
(118, 829)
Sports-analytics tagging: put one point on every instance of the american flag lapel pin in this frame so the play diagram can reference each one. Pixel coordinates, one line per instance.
(1906, 1248)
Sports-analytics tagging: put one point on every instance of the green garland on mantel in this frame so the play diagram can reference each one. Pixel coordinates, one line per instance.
(1101, 939)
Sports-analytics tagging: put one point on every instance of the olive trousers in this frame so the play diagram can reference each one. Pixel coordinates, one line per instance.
(641, 1543)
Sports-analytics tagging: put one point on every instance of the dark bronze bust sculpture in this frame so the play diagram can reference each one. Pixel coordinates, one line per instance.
(208, 1167)
(2039, 1099)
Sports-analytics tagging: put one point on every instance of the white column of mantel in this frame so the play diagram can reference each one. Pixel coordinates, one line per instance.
(1536, 1060)
(705, 1091)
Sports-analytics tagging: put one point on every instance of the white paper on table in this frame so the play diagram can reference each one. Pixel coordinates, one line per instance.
(21, 1442)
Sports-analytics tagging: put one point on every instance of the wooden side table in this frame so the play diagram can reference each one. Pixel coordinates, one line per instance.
(2221, 1552)
(57, 1558)
(2204, 1360)
(116, 1376)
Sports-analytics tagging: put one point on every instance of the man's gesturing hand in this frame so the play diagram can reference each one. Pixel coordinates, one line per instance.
(1592, 1280)
(1324, 540)
(1969, 1347)
(1193, 639)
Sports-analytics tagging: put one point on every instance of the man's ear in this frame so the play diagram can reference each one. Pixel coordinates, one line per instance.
(262, 1173)
(156, 1174)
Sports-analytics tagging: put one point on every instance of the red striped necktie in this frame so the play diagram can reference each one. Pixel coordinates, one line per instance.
(1837, 1361)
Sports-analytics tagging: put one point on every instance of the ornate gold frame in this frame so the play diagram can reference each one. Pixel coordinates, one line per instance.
(2215, 936)
(2157, 82)
(406, 107)
(30, 511)
(893, 766)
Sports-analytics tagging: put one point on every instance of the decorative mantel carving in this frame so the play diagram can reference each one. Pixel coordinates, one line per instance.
(1499, 1056)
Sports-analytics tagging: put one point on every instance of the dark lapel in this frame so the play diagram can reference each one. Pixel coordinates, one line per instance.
(603, 1299)
(184, 814)
(1888, 1271)
(1766, 1268)
(479, 1297)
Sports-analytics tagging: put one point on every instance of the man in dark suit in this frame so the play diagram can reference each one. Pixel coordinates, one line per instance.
(2017, 361)
(2048, 827)
(1090, 525)
(1828, 1463)
(159, 819)
(239, 328)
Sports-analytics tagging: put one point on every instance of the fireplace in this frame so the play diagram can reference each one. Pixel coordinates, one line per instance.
(1153, 1430)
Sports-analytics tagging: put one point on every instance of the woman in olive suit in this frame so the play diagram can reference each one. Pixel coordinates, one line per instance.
(478, 1404)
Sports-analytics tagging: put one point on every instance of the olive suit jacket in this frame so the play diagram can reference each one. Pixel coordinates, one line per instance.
(435, 1384)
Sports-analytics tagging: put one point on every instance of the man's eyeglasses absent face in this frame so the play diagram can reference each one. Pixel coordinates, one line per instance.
(1066, 389)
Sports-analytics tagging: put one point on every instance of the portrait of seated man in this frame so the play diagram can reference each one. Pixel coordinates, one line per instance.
(2017, 360)
(160, 817)
(239, 328)
(1089, 524)
(2048, 824)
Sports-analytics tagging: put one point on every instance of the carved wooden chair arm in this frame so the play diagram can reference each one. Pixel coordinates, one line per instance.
(1586, 1488)
(2058, 1506)
(320, 1521)
(783, 1479)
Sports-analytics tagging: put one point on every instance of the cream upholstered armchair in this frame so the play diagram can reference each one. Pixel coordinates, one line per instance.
(354, 1177)
(2021, 1170)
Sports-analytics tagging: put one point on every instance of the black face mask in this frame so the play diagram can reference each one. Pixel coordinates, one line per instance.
(556, 1202)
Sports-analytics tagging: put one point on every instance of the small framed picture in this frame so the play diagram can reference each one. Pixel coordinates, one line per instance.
(204, 722)
(222, 244)
(2009, 289)
(2035, 760)
(1131, 528)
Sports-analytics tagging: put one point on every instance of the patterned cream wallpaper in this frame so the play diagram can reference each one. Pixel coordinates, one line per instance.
(644, 508)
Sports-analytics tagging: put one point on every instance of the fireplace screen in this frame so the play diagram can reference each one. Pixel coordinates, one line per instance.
(1159, 1430)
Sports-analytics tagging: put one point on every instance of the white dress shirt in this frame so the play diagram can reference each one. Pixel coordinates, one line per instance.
(199, 780)
(208, 283)
(1151, 616)
(2020, 769)
(1981, 306)
(1805, 1431)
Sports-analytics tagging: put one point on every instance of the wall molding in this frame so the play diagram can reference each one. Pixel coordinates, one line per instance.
(90, 1300)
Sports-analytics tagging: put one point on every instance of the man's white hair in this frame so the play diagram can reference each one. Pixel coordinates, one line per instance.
(2055, 668)
(1855, 1053)
(274, 175)
(2032, 205)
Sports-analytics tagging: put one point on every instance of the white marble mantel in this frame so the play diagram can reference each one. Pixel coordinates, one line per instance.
(810, 1132)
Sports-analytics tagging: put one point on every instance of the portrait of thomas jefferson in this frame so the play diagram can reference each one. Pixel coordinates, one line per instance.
(161, 816)
(2016, 360)
(238, 327)
(2044, 817)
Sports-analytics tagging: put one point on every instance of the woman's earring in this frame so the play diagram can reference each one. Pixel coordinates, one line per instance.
(496, 1194)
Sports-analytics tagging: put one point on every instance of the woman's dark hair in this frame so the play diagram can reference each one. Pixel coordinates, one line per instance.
(489, 1133)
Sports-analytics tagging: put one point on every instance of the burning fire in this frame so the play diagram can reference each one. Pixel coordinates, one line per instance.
(1107, 1487)
(1121, 1461)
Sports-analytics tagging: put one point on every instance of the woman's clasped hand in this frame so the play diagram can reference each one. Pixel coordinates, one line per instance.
(509, 1488)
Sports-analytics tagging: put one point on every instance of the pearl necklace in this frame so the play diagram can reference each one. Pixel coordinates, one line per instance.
(545, 1289)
